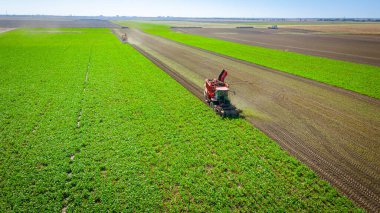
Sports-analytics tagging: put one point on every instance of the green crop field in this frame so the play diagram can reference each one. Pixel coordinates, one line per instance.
(89, 124)
(361, 78)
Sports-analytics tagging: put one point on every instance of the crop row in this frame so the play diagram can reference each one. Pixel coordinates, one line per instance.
(89, 124)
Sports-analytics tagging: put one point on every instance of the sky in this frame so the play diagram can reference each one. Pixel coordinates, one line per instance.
(197, 8)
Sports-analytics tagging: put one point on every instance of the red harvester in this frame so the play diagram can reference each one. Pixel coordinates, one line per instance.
(216, 95)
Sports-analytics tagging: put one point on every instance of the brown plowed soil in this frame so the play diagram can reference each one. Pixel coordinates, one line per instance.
(334, 131)
(356, 28)
(355, 48)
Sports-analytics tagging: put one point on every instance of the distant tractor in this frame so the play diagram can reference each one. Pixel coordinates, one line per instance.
(273, 27)
(216, 95)
(124, 37)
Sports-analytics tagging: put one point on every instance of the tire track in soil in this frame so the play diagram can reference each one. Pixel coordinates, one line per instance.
(313, 121)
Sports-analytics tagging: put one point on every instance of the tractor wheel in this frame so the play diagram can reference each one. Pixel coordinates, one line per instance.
(206, 97)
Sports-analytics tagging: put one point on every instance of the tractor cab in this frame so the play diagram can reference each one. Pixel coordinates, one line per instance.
(221, 94)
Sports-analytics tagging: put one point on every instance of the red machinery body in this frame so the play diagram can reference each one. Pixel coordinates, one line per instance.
(213, 85)
(216, 95)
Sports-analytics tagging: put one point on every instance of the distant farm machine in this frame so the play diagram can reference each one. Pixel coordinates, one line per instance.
(216, 96)
(124, 37)
(273, 27)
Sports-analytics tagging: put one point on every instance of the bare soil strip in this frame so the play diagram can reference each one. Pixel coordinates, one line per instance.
(335, 132)
(355, 48)
(3, 30)
(359, 29)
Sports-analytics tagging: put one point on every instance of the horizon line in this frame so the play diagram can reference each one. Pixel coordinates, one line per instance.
(189, 17)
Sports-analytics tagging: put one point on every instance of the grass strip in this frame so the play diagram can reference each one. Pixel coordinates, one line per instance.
(360, 78)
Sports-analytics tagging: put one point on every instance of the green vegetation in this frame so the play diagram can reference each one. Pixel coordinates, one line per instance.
(361, 78)
(89, 124)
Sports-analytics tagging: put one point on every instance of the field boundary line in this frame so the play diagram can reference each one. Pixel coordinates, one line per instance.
(172, 73)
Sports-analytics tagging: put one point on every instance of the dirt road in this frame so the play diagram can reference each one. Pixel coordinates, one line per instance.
(355, 48)
(335, 132)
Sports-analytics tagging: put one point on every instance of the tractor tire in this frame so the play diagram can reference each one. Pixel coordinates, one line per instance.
(206, 97)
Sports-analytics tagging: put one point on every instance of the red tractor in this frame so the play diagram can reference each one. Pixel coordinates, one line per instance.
(216, 95)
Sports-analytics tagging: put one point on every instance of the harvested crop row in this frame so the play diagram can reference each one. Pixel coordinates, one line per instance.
(144, 142)
(359, 78)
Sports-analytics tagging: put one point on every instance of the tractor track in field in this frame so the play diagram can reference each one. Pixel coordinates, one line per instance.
(85, 82)
(338, 138)
(314, 160)
(69, 172)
